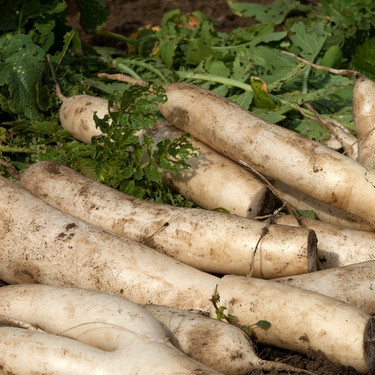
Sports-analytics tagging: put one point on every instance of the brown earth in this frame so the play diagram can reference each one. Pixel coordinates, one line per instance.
(125, 17)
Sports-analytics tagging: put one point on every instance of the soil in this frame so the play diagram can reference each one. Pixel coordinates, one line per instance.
(125, 17)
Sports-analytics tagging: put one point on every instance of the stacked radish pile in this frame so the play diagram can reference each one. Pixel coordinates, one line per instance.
(91, 245)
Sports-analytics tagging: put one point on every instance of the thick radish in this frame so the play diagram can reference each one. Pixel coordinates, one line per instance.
(337, 246)
(322, 211)
(214, 181)
(364, 119)
(353, 284)
(84, 332)
(207, 240)
(219, 345)
(40, 244)
(297, 161)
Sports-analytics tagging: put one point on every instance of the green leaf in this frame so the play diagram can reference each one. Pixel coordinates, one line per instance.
(21, 68)
(274, 13)
(94, 14)
(305, 213)
(262, 98)
(308, 39)
(264, 324)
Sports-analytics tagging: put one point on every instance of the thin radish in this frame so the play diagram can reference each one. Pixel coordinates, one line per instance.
(40, 244)
(353, 284)
(84, 332)
(364, 119)
(207, 240)
(322, 211)
(219, 345)
(337, 246)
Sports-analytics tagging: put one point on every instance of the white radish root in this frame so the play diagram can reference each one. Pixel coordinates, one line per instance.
(207, 240)
(353, 284)
(345, 332)
(323, 212)
(214, 343)
(301, 163)
(364, 119)
(77, 115)
(337, 246)
(213, 181)
(248, 197)
(84, 332)
(40, 244)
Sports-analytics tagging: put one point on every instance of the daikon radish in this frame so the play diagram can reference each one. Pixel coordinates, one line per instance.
(214, 343)
(364, 119)
(209, 241)
(280, 153)
(322, 211)
(213, 181)
(80, 331)
(337, 246)
(40, 244)
(354, 284)
(318, 321)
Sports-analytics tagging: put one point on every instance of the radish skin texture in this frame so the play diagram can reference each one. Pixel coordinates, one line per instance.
(337, 246)
(322, 211)
(209, 241)
(364, 119)
(315, 320)
(41, 244)
(84, 332)
(240, 192)
(353, 284)
(217, 344)
(297, 161)
(77, 115)
(212, 182)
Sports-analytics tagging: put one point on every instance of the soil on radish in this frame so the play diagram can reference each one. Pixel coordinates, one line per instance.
(126, 16)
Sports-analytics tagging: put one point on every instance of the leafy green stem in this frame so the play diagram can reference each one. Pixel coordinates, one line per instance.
(146, 66)
(214, 78)
(10, 149)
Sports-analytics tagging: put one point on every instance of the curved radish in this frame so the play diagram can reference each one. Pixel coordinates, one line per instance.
(219, 345)
(277, 152)
(84, 332)
(353, 284)
(207, 240)
(364, 119)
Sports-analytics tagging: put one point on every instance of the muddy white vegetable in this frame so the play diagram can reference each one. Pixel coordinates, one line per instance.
(217, 344)
(337, 246)
(40, 244)
(353, 284)
(207, 240)
(295, 160)
(214, 181)
(77, 114)
(80, 331)
(364, 119)
(226, 185)
(322, 211)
